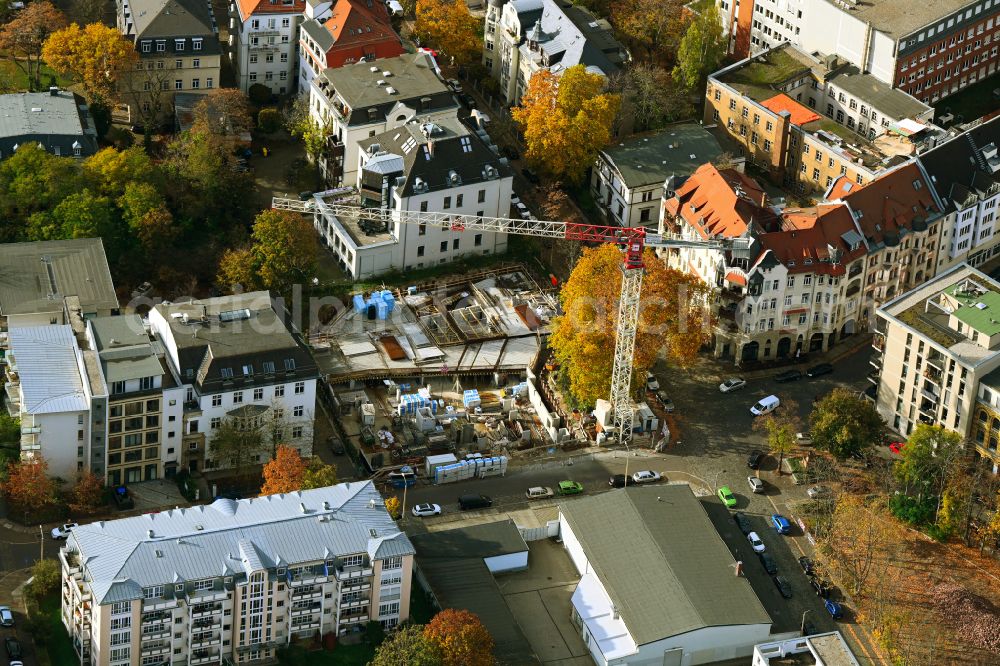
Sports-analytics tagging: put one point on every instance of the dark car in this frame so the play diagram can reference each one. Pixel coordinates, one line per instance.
(617, 481)
(13, 647)
(783, 587)
(819, 370)
(809, 629)
(531, 176)
(821, 587)
(754, 459)
(467, 101)
(466, 502)
(138, 129)
(336, 445)
(770, 566)
(123, 499)
(807, 566)
(743, 523)
(788, 376)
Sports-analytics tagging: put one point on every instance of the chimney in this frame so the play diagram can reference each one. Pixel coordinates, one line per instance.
(430, 146)
(739, 568)
(54, 91)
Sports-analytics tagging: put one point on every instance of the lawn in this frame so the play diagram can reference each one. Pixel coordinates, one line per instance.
(973, 102)
(50, 632)
(13, 79)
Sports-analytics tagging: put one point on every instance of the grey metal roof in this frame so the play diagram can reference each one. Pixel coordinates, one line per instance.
(888, 100)
(35, 276)
(649, 159)
(34, 116)
(957, 168)
(46, 358)
(899, 18)
(662, 562)
(230, 537)
(570, 35)
(124, 348)
(319, 34)
(478, 541)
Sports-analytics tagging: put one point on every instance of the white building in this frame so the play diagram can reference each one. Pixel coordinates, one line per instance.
(421, 167)
(263, 43)
(359, 100)
(232, 581)
(237, 359)
(652, 602)
(817, 650)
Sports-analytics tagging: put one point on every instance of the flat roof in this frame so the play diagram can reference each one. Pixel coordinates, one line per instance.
(760, 76)
(890, 101)
(31, 114)
(899, 18)
(676, 575)
(410, 75)
(980, 311)
(124, 348)
(648, 159)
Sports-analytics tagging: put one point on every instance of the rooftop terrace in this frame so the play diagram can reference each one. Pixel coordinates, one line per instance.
(761, 77)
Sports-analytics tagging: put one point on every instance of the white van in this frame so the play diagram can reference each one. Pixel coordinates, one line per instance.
(765, 406)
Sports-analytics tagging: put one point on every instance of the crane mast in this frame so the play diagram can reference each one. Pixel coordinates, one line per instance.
(633, 240)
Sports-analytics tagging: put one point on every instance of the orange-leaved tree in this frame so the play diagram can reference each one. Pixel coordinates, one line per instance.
(28, 484)
(284, 473)
(392, 505)
(673, 317)
(22, 38)
(461, 638)
(96, 55)
(448, 25)
(88, 493)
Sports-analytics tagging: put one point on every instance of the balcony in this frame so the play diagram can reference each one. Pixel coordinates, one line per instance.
(873, 377)
(306, 593)
(207, 659)
(162, 604)
(928, 408)
(266, 48)
(354, 603)
(351, 573)
(355, 586)
(265, 32)
(153, 633)
(207, 641)
(334, 147)
(937, 362)
(207, 623)
(875, 360)
(929, 396)
(305, 626)
(306, 610)
(205, 611)
(158, 648)
(932, 375)
(309, 579)
(201, 596)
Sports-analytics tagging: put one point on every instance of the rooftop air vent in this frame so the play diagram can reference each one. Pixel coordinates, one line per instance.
(391, 90)
(380, 82)
(373, 69)
(386, 73)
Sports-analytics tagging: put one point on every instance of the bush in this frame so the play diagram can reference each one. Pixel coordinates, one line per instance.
(374, 633)
(268, 120)
(45, 578)
(912, 510)
(120, 138)
(259, 94)
(186, 485)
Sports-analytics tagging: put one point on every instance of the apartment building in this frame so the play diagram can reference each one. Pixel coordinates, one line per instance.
(934, 345)
(788, 292)
(523, 37)
(179, 51)
(237, 361)
(359, 100)
(985, 430)
(263, 43)
(420, 167)
(929, 50)
(58, 121)
(965, 174)
(808, 121)
(630, 176)
(233, 581)
(343, 32)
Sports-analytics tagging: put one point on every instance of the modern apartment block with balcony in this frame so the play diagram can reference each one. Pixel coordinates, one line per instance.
(808, 120)
(239, 363)
(359, 100)
(233, 581)
(933, 347)
(263, 43)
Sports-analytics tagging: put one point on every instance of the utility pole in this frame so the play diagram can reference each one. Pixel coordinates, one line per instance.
(41, 544)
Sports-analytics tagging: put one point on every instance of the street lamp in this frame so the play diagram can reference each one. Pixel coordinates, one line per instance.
(802, 625)
(715, 486)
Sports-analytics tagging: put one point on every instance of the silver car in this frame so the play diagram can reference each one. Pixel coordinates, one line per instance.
(732, 384)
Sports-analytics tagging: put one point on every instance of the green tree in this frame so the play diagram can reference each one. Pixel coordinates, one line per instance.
(236, 442)
(931, 456)
(206, 181)
(780, 426)
(319, 475)
(701, 49)
(22, 38)
(10, 431)
(268, 120)
(844, 424)
(111, 171)
(407, 647)
(45, 577)
(32, 180)
(283, 251)
(300, 124)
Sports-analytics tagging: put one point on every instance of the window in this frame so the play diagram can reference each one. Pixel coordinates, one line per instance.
(481, 197)
(237, 397)
(297, 432)
(391, 608)
(154, 592)
(420, 250)
(196, 44)
(447, 203)
(478, 240)
(298, 410)
(178, 44)
(146, 46)
(178, 84)
(178, 64)
(279, 390)
(253, 58)
(300, 387)
(444, 246)
(196, 83)
(289, 365)
(201, 585)
(258, 394)
(215, 422)
(161, 45)
(217, 400)
(458, 200)
(284, 23)
(392, 563)
(196, 63)
(121, 608)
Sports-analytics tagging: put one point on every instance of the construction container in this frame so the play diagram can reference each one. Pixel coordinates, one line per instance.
(359, 303)
(470, 398)
(431, 463)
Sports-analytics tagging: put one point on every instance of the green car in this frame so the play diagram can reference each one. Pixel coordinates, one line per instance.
(570, 488)
(727, 497)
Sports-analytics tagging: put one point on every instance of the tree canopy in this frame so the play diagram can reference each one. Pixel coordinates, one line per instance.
(319, 475)
(283, 251)
(88, 494)
(780, 426)
(22, 38)
(461, 638)
(701, 48)
(448, 25)
(844, 424)
(283, 473)
(566, 120)
(407, 647)
(28, 484)
(673, 318)
(96, 55)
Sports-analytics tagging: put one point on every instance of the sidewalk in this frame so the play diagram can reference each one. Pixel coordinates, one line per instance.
(856, 343)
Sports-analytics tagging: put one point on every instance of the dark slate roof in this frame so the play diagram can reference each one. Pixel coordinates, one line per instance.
(957, 168)
(435, 152)
(169, 19)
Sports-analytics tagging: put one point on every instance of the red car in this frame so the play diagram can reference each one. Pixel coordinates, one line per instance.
(897, 447)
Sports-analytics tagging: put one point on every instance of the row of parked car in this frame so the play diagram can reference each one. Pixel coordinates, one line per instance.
(10, 643)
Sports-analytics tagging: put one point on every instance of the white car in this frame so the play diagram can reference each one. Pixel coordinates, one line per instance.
(756, 484)
(732, 384)
(645, 476)
(651, 383)
(818, 492)
(803, 438)
(422, 510)
(755, 542)
(62, 532)
(538, 492)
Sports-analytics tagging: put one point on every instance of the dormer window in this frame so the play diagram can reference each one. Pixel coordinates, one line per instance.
(178, 44)
(146, 46)
(161, 45)
(196, 43)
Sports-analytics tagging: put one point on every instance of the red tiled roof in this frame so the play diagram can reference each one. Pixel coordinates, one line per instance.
(805, 241)
(359, 28)
(736, 278)
(719, 203)
(782, 102)
(248, 7)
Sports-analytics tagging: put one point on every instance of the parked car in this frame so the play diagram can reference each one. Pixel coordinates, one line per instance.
(755, 542)
(62, 532)
(570, 488)
(756, 485)
(617, 481)
(455, 85)
(765, 405)
(336, 446)
(122, 498)
(819, 370)
(809, 629)
(13, 647)
(770, 566)
(466, 502)
(788, 376)
(820, 586)
(651, 383)
(646, 476)
(835, 610)
(538, 492)
(743, 523)
(807, 566)
(6, 617)
(803, 438)
(754, 459)
(665, 402)
(421, 510)
(783, 587)
(530, 176)
(818, 492)
(780, 523)
(727, 497)
(732, 384)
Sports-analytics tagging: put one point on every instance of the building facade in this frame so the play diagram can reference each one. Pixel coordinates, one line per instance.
(233, 581)
(179, 51)
(263, 43)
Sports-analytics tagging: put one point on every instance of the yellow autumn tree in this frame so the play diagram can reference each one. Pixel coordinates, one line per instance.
(283, 474)
(566, 120)
(392, 505)
(448, 25)
(95, 55)
(673, 319)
